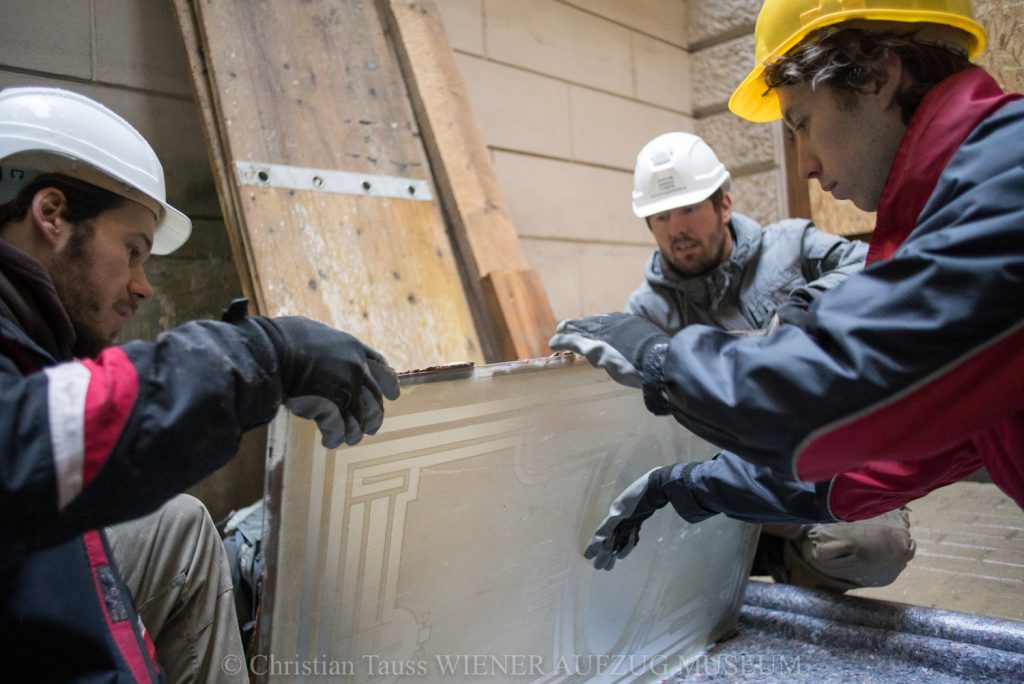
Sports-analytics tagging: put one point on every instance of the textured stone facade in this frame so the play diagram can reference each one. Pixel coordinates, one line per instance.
(718, 69)
(759, 195)
(743, 146)
(722, 46)
(707, 22)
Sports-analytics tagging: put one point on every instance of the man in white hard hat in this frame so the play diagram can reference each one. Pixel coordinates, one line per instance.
(717, 267)
(92, 434)
(907, 376)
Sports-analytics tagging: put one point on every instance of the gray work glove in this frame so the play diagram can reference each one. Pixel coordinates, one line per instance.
(616, 342)
(620, 531)
(329, 376)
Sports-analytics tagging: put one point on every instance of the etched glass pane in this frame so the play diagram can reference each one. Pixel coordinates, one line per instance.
(449, 546)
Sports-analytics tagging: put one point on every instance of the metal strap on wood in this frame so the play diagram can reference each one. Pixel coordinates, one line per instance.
(327, 180)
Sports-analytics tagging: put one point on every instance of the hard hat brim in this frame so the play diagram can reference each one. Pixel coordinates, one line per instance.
(172, 231)
(754, 101)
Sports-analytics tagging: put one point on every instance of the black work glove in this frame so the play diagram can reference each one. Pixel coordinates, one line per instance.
(616, 342)
(795, 310)
(331, 377)
(620, 531)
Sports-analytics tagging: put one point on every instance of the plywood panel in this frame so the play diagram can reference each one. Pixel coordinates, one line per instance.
(457, 533)
(378, 266)
(314, 85)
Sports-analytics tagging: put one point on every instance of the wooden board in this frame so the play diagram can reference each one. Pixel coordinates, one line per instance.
(526, 312)
(315, 85)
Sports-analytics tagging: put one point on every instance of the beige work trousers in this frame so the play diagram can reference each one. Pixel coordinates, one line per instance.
(837, 556)
(174, 564)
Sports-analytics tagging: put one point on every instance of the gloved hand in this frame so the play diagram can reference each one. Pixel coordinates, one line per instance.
(616, 342)
(620, 531)
(331, 377)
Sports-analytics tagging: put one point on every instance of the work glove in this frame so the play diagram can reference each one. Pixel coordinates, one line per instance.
(331, 377)
(620, 531)
(616, 342)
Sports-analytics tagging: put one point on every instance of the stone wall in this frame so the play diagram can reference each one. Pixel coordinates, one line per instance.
(721, 40)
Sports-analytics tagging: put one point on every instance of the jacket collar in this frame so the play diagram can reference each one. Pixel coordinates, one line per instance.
(29, 300)
(946, 116)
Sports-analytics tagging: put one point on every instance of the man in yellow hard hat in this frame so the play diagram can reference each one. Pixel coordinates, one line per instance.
(907, 376)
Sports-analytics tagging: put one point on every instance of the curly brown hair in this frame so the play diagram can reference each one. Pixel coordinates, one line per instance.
(850, 61)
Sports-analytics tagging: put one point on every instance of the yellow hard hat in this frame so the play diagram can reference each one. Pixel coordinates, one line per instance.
(782, 24)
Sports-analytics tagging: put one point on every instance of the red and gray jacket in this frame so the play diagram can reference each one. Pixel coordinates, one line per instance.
(909, 375)
(92, 442)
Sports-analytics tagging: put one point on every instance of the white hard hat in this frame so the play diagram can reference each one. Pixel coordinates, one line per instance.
(675, 170)
(47, 130)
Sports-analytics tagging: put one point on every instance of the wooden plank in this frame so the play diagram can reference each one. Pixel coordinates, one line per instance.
(189, 32)
(839, 217)
(314, 85)
(518, 294)
(468, 186)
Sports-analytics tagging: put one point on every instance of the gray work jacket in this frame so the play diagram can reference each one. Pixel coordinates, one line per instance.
(766, 266)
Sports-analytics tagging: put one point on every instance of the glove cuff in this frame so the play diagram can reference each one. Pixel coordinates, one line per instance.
(265, 340)
(655, 339)
(653, 389)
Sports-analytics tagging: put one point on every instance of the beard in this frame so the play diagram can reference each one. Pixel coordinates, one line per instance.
(708, 260)
(70, 270)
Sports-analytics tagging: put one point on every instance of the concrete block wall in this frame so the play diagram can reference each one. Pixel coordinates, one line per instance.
(566, 93)
(127, 55)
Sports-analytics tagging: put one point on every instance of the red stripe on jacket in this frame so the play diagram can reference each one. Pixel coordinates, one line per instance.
(122, 630)
(974, 395)
(113, 388)
(941, 124)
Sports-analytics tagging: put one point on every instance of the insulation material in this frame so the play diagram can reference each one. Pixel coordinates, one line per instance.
(448, 547)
